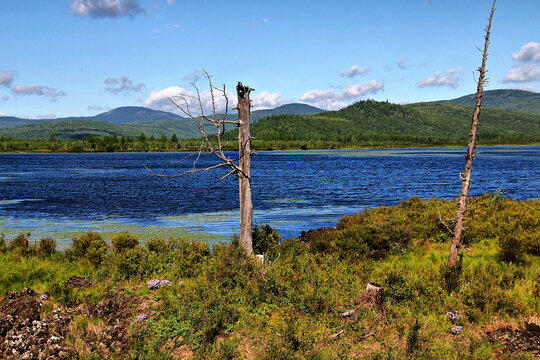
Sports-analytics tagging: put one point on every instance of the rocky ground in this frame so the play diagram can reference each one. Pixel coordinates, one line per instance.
(515, 341)
(28, 332)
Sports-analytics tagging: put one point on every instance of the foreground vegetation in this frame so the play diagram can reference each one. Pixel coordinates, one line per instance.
(213, 302)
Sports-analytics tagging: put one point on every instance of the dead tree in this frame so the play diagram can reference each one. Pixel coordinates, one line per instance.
(213, 144)
(466, 175)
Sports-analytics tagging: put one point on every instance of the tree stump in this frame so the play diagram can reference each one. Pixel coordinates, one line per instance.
(372, 296)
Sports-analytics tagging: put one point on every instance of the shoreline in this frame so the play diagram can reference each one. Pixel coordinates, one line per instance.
(266, 150)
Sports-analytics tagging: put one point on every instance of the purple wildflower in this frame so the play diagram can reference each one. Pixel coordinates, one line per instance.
(165, 282)
(456, 330)
(43, 297)
(153, 284)
(181, 282)
(141, 317)
(453, 316)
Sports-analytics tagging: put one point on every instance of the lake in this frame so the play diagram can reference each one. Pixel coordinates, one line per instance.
(63, 195)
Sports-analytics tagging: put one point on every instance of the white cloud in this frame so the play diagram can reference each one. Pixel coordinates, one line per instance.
(353, 71)
(3, 114)
(522, 73)
(160, 100)
(404, 102)
(37, 90)
(328, 99)
(401, 63)
(314, 96)
(106, 8)
(170, 2)
(357, 91)
(527, 69)
(525, 87)
(330, 104)
(267, 100)
(7, 77)
(122, 85)
(449, 78)
(529, 52)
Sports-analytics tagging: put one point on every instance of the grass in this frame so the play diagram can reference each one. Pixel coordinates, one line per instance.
(224, 305)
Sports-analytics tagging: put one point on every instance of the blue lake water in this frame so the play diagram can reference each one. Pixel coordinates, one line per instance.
(292, 190)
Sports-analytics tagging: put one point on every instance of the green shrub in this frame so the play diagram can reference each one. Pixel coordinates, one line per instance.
(485, 291)
(188, 256)
(396, 286)
(264, 236)
(20, 242)
(124, 241)
(3, 246)
(451, 275)
(158, 246)
(47, 246)
(128, 263)
(225, 349)
(63, 294)
(511, 249)
(413, 338)
(90, 246)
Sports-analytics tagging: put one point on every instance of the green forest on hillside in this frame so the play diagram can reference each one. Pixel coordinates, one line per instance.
(522, 101)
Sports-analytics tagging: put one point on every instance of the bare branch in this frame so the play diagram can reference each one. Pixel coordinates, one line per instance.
(240, 166)
(152, 173)
(443, 221)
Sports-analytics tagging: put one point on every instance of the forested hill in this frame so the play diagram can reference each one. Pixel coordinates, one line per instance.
(368, 123)
(127, 121)
(507, 99)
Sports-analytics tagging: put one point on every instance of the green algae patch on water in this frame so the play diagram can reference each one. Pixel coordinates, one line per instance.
(65, 231)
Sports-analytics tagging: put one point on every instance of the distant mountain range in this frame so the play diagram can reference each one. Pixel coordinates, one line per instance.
(510, 116)
(127, 120)
(512, 100)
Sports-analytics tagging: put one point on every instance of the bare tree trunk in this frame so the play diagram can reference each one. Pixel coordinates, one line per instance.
(466, 176)
(244, 177)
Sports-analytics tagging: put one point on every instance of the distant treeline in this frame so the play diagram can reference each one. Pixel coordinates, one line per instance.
(107, 143)
(143, 143)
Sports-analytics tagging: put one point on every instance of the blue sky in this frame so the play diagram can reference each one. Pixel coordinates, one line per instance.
(82, 57)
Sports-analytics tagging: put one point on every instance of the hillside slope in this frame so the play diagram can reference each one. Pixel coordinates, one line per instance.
(372, 121)
(68, 129)
(506, 99)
